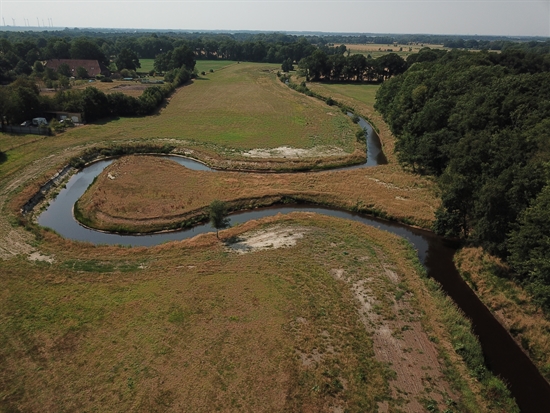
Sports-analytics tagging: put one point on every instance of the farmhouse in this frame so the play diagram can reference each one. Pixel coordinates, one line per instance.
(93, 67)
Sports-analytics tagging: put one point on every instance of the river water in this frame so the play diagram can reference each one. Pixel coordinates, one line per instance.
(503, 356)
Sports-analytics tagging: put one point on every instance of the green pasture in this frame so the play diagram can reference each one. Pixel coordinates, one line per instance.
(364, 93)
(244, 106)
(202, 65)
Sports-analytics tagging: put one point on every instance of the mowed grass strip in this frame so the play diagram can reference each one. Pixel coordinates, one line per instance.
(206, 65)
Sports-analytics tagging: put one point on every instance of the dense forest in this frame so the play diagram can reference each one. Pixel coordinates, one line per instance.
(480, 122)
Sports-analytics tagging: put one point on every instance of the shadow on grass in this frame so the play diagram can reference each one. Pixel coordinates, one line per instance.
(3, 157)
(106, 121)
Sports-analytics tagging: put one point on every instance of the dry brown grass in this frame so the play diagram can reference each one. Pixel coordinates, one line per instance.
(151, 193)
(188, 326)
(509, 303)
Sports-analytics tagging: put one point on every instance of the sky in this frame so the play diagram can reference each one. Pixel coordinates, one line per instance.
(460, 17)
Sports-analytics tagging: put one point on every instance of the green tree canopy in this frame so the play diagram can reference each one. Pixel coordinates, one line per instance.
(84, 48)
(127, 59)
(218, 215)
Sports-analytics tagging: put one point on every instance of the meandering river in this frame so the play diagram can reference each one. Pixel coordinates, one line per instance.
(503, 356)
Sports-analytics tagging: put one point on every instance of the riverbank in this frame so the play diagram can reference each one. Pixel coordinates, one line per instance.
(513, 307)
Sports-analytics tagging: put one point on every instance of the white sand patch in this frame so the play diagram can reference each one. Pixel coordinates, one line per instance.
(275, 237)
(36, 256)
(337, 273)
(288, 152)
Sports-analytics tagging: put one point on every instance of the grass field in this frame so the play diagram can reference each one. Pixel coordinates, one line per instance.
(202, 65)
(243, 106)
(206, 65)
(363, 93)
(146, 65)
(192, 326)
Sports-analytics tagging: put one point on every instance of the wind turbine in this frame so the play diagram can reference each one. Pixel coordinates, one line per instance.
(38, 22)
(4, 20)
(13, 20)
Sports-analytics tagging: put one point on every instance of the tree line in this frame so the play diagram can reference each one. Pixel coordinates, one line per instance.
(480, 122)
(337, 67)
(21, 100)
(19, 50)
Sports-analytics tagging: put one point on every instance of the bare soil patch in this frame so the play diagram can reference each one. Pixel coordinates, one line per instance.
(288, 152)
(272, 238)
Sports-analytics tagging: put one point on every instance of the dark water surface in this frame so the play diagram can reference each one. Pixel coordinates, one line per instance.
(503, 356)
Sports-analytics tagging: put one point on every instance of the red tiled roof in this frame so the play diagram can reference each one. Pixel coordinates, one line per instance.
(92, 66)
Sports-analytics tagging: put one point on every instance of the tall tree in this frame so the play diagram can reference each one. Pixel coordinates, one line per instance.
(218, 215)
(127, 59)
(84, 48)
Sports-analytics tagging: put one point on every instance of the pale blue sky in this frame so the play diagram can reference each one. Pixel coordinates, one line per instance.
(467, 17)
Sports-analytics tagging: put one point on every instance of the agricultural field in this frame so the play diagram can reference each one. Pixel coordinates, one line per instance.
(206, 65)
(377, 50)
(298, 312)
(146, 65)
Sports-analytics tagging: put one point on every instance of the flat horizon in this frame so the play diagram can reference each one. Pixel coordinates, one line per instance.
(506, 18)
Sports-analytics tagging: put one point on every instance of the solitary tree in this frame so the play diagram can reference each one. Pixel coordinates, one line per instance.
(218, 213)
(127, 59)
(287, 65)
